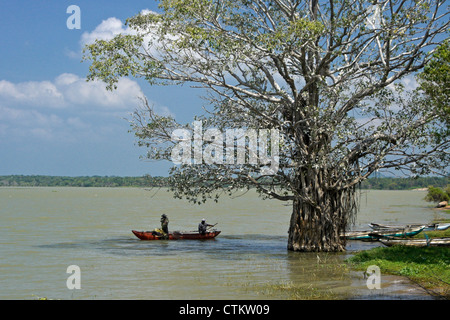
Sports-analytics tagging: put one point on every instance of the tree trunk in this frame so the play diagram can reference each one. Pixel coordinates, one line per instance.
(320, 218)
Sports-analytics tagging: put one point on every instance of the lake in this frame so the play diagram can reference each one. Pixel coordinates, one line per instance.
(46, 230)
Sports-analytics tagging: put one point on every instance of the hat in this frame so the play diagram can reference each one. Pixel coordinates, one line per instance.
(203, 219)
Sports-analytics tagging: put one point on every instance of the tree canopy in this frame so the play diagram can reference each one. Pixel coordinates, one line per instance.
(435, 85)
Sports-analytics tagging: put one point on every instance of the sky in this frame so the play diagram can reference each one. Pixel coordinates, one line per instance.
(52, 121)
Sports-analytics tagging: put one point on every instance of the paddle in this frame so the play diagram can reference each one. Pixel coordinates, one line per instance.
(210, 226)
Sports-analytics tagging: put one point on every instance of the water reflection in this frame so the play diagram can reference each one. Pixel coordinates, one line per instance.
(251, 266)
(255, 265)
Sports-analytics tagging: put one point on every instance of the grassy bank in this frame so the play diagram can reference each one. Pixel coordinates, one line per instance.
(429, 267)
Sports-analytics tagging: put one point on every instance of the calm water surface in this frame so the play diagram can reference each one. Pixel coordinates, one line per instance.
(45, 230)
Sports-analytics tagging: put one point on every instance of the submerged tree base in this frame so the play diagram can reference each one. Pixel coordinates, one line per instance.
(317, 225)
(313, 248)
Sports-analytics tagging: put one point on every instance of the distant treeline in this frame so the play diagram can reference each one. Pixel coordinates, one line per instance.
(404, 183)
(87, 181)
(149, 181)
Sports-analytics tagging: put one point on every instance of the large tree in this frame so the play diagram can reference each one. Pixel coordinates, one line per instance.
(325, 74)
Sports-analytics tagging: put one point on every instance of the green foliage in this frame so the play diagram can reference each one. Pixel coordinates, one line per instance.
(435, 79)
(403, 254)
(108, 61)
(435, 83)
(436, 194)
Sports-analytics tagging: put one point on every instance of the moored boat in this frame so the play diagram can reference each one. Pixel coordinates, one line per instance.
(176, 235)
(373, 235)
(436, 242)
(437, 227)
(429, 227)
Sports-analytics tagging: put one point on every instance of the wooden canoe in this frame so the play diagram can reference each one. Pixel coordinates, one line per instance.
(176, 235)
(437, 227)
(430, 227)
(373, 235)
(436, 242)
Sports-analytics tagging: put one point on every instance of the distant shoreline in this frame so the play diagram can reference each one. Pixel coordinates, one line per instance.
(82, 181)
(147, 181)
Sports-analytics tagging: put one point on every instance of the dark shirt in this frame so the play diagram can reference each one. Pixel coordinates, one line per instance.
(202, 228)
(165, 225)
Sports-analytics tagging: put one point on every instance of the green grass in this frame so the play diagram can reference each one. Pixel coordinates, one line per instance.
(428, 266)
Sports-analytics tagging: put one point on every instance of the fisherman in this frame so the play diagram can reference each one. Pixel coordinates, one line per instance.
(165, 225)
(164, 231)
(203, 225)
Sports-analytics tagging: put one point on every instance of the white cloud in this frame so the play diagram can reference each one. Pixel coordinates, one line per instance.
(410, 82)
(113, 26)
(108, 29)
(66, 79)
(18, 123)
(77, 123)
(69, 90)
(28, 117)
(77, 91)
(28, 126)
(67, 108)
(73, 54)
(43, 93)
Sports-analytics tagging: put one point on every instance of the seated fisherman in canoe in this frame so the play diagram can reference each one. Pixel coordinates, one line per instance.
(202, 227)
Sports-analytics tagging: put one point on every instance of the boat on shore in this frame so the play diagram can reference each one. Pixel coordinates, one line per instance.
(176, 235)
(374, 235)
(436, 242)
(429, 227)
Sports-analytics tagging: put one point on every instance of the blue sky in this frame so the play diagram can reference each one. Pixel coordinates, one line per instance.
(52, 122)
